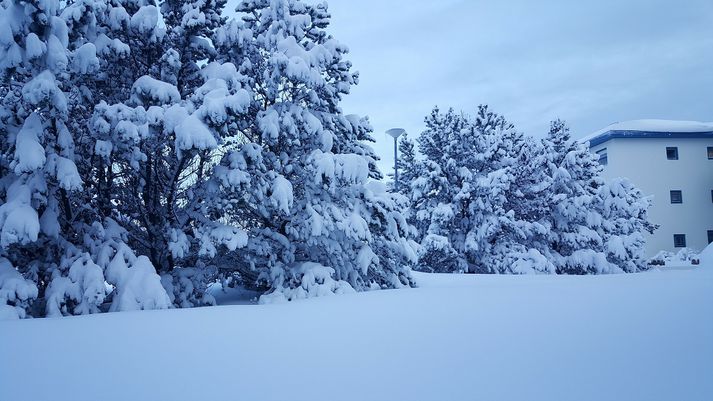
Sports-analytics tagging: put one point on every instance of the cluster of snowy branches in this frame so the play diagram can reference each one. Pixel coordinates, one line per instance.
(148, 149)
(488, 199)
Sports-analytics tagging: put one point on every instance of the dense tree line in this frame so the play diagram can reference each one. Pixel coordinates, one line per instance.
(150, 148)
(488, 199)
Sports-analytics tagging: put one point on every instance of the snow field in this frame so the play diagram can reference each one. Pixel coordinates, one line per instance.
(645, 336)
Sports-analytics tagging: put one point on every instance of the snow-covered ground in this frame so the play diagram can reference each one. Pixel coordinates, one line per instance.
(646, 336)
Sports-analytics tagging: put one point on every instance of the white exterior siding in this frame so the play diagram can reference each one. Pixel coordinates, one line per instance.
(644, 162)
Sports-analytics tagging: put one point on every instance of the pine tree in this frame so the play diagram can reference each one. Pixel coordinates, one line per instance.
(162, 139)
(39, 232)
(575, 174)
(434, 193)
(461, 200)
(406, 164)
(524, 244)
(625, 222)
(596, 227)
(296, 181)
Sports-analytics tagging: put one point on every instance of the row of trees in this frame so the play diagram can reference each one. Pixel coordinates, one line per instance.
(158, 148)
(150, 149)
(486, 198)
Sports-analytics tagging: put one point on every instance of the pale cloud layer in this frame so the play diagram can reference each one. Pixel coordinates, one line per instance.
(590, 63)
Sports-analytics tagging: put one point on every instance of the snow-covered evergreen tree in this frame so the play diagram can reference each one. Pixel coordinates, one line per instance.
(462, 201)
(595, 227)
(155, 134)
(524, 243)
(90, 91)
(435, 190)
(296, 181)
(407, 165)
(625, 222)
(576, 179)
(41, 230)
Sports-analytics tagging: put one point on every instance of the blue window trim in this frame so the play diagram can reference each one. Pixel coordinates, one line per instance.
(608, 135)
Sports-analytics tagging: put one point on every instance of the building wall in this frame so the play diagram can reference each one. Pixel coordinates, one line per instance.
(644, 162)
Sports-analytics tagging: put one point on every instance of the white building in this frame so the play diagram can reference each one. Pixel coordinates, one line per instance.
(673, 162)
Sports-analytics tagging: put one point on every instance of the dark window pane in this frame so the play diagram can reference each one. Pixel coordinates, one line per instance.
(710, 153)
(679, 240)
(602, 153)
(672, 153)
(710, 236)
(676, 197)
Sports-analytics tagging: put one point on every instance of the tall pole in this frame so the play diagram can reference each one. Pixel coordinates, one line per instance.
(396, 133)
(396, 165)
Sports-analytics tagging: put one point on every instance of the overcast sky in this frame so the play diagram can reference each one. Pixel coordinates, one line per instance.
(590, 63)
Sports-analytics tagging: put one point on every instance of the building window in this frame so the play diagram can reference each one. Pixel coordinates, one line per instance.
(676, 197)
(710, 153)
(672, 153)
(602, 153)
(710, 236)
(679, 240)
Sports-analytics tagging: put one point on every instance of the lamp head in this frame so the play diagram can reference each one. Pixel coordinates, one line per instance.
(396, 132)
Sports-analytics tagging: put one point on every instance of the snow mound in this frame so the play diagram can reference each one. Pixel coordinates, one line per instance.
(29, 153)
(19, 222)
(193, 133)
(85, 59)
(145, 19)
(83, 290)
(15, 291)
(706, 257)
(282, 196)
(315, 281)
(138, 287)
(149, 89)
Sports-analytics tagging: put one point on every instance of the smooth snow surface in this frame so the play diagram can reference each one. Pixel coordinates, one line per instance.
(645, 336)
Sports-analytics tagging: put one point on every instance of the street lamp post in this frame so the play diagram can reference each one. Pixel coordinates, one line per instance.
(396, 133)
